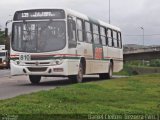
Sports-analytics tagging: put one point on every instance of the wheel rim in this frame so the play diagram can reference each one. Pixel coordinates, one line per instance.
(80, 74)
(110, 71)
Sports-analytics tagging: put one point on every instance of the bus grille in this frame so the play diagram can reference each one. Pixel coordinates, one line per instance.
(0, 60)
(31, 69)
(35, 63)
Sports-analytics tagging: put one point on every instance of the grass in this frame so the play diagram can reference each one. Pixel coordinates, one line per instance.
(133, 95)
(130, 70)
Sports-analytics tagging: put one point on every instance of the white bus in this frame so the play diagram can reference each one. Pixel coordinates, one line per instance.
(62, 42)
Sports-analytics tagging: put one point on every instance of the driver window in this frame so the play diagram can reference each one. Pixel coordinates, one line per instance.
(72, 32)
(71, 29)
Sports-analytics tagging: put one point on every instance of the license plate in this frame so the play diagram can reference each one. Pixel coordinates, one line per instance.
(25, 57)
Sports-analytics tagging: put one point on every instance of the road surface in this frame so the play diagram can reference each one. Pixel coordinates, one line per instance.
(4, 72)
(19, 85)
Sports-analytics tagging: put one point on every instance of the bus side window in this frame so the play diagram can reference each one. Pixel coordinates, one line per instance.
(72, 32)
(119, 40)
(80, 29)
(88, 32)
(103, 36)
(109, 36)
(115, 39)
(96, 38)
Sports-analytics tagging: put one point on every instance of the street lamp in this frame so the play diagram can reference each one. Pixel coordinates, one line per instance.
(109, 12)
(142, 28)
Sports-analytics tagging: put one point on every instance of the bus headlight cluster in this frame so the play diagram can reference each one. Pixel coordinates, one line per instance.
(4, 62)
(17, 62)
(59, 61)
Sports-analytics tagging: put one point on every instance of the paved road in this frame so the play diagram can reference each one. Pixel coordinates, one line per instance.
(14, 86)
(4, 72)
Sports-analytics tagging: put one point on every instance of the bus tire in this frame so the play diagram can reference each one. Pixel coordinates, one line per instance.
(109, 74)
(79, 77)
(103, 76)
(34, 79)
(110, 71)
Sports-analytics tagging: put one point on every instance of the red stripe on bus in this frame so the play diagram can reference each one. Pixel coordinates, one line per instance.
(14, 55)
(50, 55)
(113, 58)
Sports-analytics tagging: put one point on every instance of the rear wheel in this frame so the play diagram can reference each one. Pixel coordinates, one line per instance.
(79, 77)
(103, 75)
(110, 72)
(107, 75)
(34, 79)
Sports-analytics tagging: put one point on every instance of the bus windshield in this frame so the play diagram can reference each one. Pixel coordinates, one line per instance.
(39, 36)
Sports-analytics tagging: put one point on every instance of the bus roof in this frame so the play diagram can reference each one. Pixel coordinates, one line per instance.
(96, 21)
(74, 13)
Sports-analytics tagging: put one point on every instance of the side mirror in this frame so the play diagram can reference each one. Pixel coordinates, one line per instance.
(6, 32)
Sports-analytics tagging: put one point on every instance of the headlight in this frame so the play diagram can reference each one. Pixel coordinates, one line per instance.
(4, 63)
(17, 62)
(59, 61)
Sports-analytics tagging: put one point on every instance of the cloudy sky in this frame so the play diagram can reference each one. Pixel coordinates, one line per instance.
(129, 15)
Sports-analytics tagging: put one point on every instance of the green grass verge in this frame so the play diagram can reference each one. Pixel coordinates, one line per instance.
(130, 70)
(133, 95)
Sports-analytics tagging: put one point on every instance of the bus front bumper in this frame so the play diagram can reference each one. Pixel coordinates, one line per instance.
(38, 70)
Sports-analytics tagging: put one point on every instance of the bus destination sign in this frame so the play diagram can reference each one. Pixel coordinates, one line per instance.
(39, 14)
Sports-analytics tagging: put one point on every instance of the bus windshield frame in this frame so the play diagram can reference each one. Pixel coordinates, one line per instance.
(38, 36)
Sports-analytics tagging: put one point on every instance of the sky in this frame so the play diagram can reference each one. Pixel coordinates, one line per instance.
(129, 15)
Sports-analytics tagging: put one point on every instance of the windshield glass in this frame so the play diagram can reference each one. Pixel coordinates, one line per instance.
(2, 54)
(39, 36)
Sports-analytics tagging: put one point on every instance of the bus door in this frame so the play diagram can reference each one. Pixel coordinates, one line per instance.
(88, 50)
(72, 41)
(80, 37)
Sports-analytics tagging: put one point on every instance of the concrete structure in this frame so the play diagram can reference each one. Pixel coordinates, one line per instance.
(142, 54)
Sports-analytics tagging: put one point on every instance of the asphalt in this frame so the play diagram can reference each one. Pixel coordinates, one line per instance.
(4, 72)
(19, 85)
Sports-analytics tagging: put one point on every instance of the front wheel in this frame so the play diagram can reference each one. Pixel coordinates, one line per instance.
(79, 77)
(34, 79)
